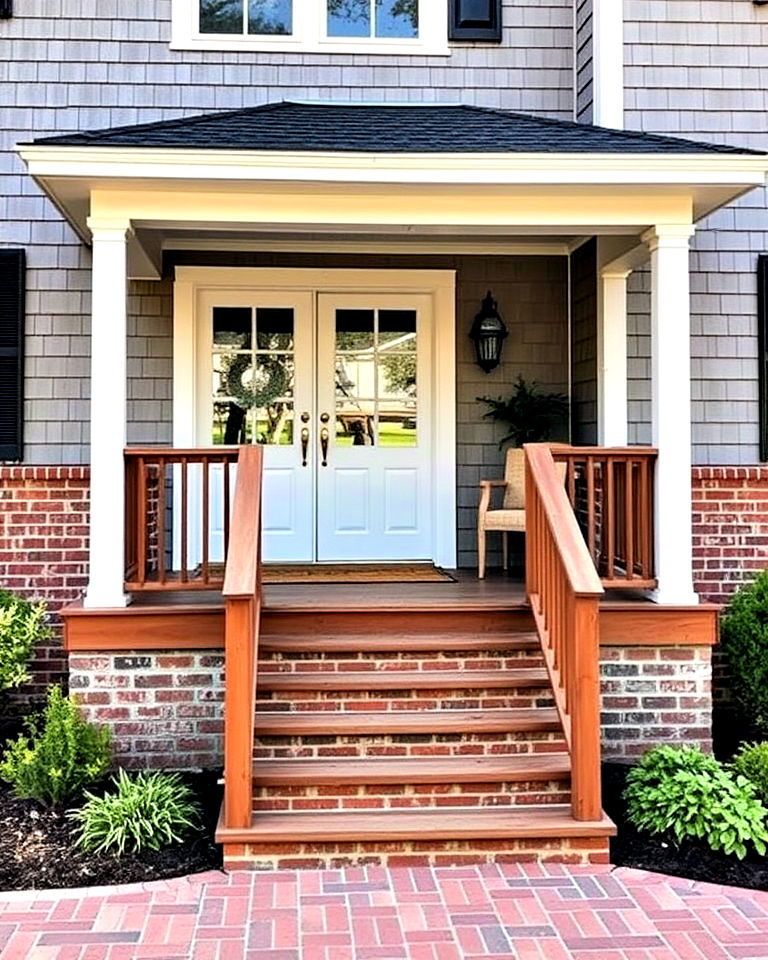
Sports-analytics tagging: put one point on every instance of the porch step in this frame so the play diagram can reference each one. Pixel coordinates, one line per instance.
(458, 823)
(399, 770)
(352, 723)
(393, 679)
(395, 643)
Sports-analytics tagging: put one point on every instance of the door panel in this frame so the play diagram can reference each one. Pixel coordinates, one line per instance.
(256, 350)
(374, 384)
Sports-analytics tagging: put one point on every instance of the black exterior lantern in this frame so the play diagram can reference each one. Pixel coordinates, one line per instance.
(488, 332)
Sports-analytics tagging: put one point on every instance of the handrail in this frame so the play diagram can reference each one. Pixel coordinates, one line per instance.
(242, 614)
(564, 591)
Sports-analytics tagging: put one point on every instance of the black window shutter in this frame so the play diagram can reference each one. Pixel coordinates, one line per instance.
(762, 350)
(6, 9)
(475, 20)
(12, 291)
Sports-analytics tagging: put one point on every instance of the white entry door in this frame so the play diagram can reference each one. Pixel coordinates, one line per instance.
(338, 389)
(374, 391)
(258, 349)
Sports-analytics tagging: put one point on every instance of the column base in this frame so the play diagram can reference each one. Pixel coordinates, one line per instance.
(103, 600)
(673, 597)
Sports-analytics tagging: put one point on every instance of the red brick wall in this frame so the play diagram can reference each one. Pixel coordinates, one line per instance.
(43, 548)
(730, 528)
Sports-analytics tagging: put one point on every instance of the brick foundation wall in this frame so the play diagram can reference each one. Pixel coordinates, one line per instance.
(44, 549)
(164, 708)
(730, 528)
(653, 695)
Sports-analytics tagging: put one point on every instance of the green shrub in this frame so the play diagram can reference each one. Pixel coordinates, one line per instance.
(148, 811)
(684, 794)
(22, 625)
(752, 762)
(744, 637)
(58, 755)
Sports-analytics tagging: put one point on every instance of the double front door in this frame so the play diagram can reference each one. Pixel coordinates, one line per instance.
(337, 387)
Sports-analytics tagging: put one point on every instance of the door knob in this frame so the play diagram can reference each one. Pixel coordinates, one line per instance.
(324, 436)
(325, 417)
(304, 445)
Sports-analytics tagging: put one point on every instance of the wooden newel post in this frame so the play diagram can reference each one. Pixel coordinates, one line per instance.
(586, 801)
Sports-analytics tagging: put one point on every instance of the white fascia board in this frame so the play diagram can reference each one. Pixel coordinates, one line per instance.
(148, 163)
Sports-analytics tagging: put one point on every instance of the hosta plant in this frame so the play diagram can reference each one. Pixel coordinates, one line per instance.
(684, 794)
(751, 762)
(60, 753)
(147, 811)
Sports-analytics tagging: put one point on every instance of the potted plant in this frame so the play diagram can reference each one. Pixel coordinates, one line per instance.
(529, 414)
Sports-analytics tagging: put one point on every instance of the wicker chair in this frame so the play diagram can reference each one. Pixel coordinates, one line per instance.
(511, 517)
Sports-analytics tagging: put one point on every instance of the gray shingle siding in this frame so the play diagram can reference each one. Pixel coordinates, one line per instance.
(700, 69)
(88, 64)
(583, 47)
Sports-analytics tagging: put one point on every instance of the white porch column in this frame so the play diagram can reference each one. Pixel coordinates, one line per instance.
(671, 410)
(108, 413)
(612, 358)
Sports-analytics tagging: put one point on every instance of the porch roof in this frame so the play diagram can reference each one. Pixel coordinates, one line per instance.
(385, 128)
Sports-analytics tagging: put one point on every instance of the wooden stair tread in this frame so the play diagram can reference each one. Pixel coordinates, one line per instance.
(354, 722)
(461, 769)
(460, 823)
(400, 679)
(383, 642)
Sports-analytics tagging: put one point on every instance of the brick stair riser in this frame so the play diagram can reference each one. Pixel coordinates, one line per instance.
(408, 745)
(394, 700)
(410, 796)
(405, 660)
(286, 856)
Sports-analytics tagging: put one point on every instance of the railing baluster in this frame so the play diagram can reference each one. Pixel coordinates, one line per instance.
(609, 518)
(591, 531)
(161, 571)
(226, 469)
(183, 520)
(629, 520)
(206, 519)
(142, 518)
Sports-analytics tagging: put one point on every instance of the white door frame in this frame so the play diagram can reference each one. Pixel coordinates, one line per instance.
(439, 284)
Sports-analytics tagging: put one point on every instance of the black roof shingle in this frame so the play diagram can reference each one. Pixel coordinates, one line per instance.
(384, 129)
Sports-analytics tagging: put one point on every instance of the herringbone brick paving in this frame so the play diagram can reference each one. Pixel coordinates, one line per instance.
(514, 911)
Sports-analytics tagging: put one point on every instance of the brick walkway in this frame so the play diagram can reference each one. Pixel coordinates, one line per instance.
(448, 913)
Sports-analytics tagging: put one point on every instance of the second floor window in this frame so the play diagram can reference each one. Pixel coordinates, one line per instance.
(365, 26)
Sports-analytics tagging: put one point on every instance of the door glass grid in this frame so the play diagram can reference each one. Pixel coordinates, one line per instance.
(376, 381)
(253, 375)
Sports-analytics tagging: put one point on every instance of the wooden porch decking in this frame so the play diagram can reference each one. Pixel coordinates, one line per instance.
(195, 619)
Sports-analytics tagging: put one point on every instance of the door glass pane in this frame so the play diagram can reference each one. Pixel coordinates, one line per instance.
(221, 16)
(270, 16)
(397, 18)
(230, 423)
(354, 330)
(355, 423)
(349, 18)
(274, 328)
(232, 328)
(397, 329)
(273, 423)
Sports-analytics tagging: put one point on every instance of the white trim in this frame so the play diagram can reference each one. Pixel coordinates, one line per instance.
(608, 63)
(448, 247)
(472, 168)
(106, 571)
(439, 284)
(671, 411)
(612, 415)
(309, 33)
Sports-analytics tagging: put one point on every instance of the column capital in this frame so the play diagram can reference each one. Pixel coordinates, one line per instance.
(110, 228)
(614, 273)
(668, 235)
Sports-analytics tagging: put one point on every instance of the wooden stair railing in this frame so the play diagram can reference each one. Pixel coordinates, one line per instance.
(182, 494)
(242, 615)
(564, 591)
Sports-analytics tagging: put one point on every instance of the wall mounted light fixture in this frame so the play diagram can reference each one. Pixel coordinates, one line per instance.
(488, 333)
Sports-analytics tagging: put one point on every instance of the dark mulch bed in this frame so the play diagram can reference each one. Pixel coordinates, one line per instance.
(695, 861)
(37, 847)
